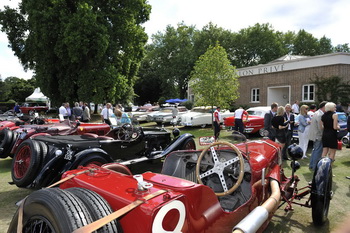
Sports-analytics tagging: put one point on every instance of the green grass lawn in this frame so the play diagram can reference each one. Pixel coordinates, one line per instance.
(298, 220)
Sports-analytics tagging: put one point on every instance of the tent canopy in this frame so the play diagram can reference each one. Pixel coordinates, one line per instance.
(37, 96)
(174, 101)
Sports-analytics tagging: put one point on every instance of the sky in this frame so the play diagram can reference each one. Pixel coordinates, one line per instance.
(318, 17)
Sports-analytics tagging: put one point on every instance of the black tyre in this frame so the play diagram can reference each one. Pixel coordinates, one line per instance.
(97, 207)
(320, 201)
(26, 163)
(52, 210)
(43, 152)
(6, 139)
(95, 159)
(189, 144)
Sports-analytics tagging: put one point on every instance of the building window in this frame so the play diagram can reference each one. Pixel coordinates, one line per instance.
(309, 93)
(255, 95)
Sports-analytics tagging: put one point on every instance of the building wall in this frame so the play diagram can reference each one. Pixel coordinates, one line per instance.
(295, 79)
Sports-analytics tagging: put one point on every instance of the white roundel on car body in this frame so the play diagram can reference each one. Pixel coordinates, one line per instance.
(157, 226)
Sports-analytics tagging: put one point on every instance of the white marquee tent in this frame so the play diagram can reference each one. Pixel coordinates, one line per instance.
(38, 96)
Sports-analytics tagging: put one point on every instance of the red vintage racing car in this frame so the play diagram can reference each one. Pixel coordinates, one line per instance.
(13, 135)
(222, 188)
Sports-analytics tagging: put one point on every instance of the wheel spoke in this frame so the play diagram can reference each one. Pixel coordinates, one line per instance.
(214, 155)
(207, 173)
(222, 180)
(231, 161)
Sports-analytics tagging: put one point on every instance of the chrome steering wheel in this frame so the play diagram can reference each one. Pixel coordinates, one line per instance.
(211, 162)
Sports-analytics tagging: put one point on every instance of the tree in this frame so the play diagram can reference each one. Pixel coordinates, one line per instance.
(325, 46)
(305, 44)
(255, 45)
(332, 89)
(18, 89)
(214, 80)
(342, 48)
(88, 50)
(167, 66)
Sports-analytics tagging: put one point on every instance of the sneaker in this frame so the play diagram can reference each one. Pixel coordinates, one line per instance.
(304, 157)
(347, 177)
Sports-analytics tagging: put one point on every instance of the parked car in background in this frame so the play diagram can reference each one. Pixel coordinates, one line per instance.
(141, 113)
(32, 107)
(164, 115)
(255, 123)
(201, 116)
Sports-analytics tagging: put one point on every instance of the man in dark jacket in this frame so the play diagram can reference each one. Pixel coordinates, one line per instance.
(267, 121)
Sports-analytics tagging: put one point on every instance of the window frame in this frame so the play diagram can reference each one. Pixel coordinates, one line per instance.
(255, 95)
(308, 93)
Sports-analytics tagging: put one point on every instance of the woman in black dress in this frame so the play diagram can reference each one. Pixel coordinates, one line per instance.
(330, 126)
(280, 126)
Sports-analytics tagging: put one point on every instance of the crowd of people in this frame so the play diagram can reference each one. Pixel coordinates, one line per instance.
(80, 111)
(317, 125)
(108, 113)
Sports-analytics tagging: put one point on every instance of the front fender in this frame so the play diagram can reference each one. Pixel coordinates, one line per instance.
(177, 143)
(323, 170)
(83, 154)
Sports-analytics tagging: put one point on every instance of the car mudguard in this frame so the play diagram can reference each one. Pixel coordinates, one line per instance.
(82, 154)
(323, 170)
(177, 143)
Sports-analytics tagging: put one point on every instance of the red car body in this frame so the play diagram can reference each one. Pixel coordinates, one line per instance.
(11, 135)
(198, 203)
(185, 197)
(255, 123)
(31, 108)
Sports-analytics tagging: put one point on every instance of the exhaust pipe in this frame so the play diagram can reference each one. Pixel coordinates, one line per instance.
(254, 220)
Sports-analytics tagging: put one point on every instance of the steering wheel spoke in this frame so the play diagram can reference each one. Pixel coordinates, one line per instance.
(207, 173)
(223, 181)
(231, 161)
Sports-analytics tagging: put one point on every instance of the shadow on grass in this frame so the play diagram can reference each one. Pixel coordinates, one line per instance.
(286, 223)
(5, 165)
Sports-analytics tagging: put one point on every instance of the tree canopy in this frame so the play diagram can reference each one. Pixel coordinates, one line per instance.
(80, 50)
(16, 89)
(214, 80)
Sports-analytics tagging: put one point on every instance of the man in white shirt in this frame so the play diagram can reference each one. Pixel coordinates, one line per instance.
(63, 111)
(239, 115)
(295, 107)
(106, 113)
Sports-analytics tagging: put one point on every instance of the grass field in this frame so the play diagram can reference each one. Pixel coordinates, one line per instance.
(298, 220)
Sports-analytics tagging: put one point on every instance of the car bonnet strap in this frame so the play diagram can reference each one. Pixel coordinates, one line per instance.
(103, 221)
(71, 176)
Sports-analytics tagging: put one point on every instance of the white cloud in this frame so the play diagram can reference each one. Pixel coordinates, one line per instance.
(318, 17)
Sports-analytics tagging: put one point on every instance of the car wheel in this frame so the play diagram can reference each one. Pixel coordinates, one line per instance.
(320, 202)
(203, 125)
(26, 163)
(189, 144)
(6, 139)
(262, 132)
(52, 210)
(97, 207)
(93, 159)
(43, 151)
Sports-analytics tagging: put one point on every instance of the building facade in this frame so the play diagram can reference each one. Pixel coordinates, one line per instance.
(288, 79)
